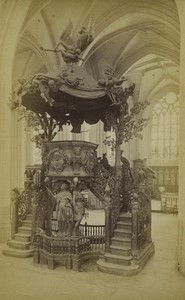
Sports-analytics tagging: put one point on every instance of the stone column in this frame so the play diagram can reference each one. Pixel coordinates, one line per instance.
(181, 215)
(12, 16)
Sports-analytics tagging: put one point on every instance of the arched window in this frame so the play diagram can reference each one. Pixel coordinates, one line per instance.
(165, 127)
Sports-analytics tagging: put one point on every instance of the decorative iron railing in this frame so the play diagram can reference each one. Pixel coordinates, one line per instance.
(21, 205)
(141, 222)
(169, 202)
(72, 245)
(95, 234)
(141, 205)
(68, 245)
(115, 209)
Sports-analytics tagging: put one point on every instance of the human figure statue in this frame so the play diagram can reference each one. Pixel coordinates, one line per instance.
(78, 204)
(44, 90)
(46, 202)
(64, 211)
(79, 211)
(71, 46)
(109, 81)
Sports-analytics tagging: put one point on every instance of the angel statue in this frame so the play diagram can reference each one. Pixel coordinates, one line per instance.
(71, 46)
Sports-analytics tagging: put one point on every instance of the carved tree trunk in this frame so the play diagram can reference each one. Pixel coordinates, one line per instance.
(43, 166)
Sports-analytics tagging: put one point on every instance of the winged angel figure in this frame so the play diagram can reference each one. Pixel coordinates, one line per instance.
(71, 46)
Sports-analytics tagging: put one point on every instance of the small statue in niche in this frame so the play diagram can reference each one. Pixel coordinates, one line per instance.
(57, 161)
(76, 159)
(64, 210)
(90, 161)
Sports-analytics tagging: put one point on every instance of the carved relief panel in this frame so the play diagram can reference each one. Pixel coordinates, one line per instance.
(71, 158)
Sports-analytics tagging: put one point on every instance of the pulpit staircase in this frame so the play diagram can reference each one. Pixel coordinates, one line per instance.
(119, 259)
(20, 245)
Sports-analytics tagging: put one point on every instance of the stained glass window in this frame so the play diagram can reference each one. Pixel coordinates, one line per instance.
(165, 127)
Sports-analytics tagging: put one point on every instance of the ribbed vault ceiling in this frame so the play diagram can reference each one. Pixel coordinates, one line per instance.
(140, 39)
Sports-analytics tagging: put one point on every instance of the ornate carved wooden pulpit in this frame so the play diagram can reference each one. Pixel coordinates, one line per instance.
(72, 96)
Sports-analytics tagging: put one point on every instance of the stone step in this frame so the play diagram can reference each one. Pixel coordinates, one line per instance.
(121, 225)
(118, 259)
(120, 241)
(24, 229)
(118, 250)
(18, 252)
(126, 214)
(29, 217)
(22, 237)
(125, 218)
(27, 223)
(18, 244)
(124, 233)
(117, 269)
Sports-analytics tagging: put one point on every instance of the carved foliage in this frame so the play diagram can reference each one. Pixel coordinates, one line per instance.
(23, 200)
(98, 183)
(144, 219)
(141, 203)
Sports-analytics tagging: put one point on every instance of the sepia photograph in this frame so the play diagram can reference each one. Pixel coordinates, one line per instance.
(92, 152)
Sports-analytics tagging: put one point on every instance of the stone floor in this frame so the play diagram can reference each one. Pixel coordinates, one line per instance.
(159, 280)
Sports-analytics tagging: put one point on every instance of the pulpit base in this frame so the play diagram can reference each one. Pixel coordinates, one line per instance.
(68, 251)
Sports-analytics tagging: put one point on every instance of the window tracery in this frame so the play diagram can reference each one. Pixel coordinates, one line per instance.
(165, 127)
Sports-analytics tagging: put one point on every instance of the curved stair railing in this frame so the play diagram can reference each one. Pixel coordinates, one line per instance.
(21, 203)
(141, 222)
